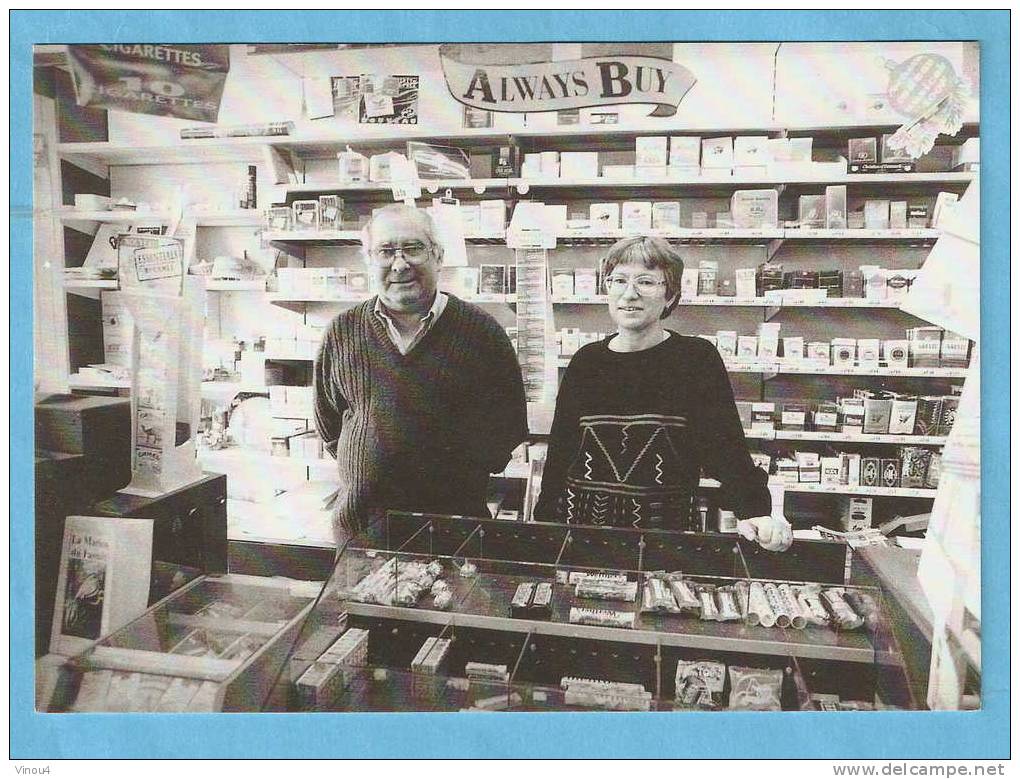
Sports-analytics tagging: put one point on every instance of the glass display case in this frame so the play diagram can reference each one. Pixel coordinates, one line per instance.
(450, 613)
(218, 644)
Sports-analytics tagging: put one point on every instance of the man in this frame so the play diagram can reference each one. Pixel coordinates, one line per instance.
(418, 394)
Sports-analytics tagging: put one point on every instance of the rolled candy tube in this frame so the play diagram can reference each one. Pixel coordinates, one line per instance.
(797, 618)
(811, 605)
(864, 605)
(758, 610)
(842, 612)
(685, 597)
(741, 588)
(776, 604)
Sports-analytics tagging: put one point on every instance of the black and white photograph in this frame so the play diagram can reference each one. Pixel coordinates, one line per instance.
(510, 376)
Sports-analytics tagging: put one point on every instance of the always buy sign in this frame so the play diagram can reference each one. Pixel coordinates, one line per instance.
(556, 86)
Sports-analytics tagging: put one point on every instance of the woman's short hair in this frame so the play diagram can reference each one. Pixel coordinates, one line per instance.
(652, 252)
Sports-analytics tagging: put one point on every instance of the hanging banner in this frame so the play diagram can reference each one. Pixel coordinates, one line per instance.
(533, 87)
(183, 81)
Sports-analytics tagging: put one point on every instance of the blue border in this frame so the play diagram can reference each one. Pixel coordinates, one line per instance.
(983, 734)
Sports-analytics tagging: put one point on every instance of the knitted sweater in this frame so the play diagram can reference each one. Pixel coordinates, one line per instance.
(422, 431)
(634, 430)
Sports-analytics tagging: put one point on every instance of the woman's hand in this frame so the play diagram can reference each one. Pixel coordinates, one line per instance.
(771, 533)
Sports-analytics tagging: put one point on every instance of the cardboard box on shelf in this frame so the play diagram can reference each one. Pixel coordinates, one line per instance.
(604, 217)
(636, 215)
(579, 165)
(755, 208)
(717, 155)
(835, 207)
(811, 210)
(651, 150)
(685, 151)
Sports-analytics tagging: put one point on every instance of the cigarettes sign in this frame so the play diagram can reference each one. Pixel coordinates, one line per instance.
(166, 80)
(557, 86)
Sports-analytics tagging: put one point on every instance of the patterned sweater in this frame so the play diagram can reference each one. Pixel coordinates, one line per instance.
(634, 430)
(422, 431)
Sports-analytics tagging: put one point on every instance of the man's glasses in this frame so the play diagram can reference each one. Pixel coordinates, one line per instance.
(414, 253)
(643, 285)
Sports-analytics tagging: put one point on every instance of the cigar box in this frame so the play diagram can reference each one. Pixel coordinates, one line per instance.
(948, 416)
(825, 417)
(769, 277)
(755, 208)
(835, 207)
(897, 285)
(651, 150)
(689, 284)
(914, 461)
(850, 469)
(856, 513)
(868, 352)
(745, 282)
(831, 470)
(685, 152)
(666, 216)
(604, 217)
(811, 211)
(929, 415)
(726, 343)
(763, 416)
(793, 416)
(793, 349)
(931, 480)
(917, 216)
(862, 151)
(747, 347)
(844, 352)
(876, 214)
(954, 351)
(871, 471)
(903, 416)
(925, 346)
(809, 468)
(801, 279)
(890, 472)
(896, 353)
(876, 416)
(636, 215)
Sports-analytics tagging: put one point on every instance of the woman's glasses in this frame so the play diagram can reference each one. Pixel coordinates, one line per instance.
(643, 285)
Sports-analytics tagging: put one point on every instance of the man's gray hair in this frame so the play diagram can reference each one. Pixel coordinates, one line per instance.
(424, 218)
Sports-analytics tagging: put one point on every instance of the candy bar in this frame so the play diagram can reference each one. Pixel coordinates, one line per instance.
(606, 589)
(521, 600)
(845, 617)
(709, 610)
(541, 602)
(686, 598)
(726, 599)
(486, 671)
(809, 598)
(755, 689)
(601, 617)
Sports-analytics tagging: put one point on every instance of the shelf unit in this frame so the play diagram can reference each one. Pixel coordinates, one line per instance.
(778, 368)
(237, 218)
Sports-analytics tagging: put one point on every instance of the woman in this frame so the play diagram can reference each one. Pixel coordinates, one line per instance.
(640, 414)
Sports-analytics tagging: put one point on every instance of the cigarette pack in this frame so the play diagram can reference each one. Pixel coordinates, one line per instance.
(925, 346)
(832, 282)
(898, 214)
(844, 352)
(902, 416)
(306, 214)
(492, 280)
(917, 216)
(726, 343)
(876, 415)
(811, 211)
(751, 151)
(579, 165)
(491, 217)
(636, 215)
(896, 353)
(853, 284)
(331, 209)
(809, 467)
(800, 279)
(851, 416)
(745, 282)
(890, 472)
(562, 282)
(353, 167)
(856, 513)
(549, 164)
(875, 287)
(685, 151)
(793, 416)
(950, 403)
(891, 155)
(769, 277)
(835, 207)
(689, 284)
(470, 218)
(768, 340)
(605, 217)
(825, 417)
(929, 415)
(763, 416)
(955, 350)
(755, 208)
(666, 216)
(504, 165)
(831, 470)
(868, 352)
(850, 469)
(651, 150)
(699, 220)
(717, 154)
(747, 347)
(914, 462)
(855, 220)
(876, 214)
(786, 470)
(871, 468)
(931, 480)
(897, 284)
(585, 281)
(618, 172)
(522, 600)
(278, 218)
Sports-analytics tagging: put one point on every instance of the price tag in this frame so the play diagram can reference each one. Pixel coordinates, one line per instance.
(406, 191)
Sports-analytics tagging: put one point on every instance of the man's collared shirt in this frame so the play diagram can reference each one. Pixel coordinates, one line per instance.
(404, 346)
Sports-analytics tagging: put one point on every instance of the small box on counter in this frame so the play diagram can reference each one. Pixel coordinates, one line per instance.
(856, 513)
(825, 417)
(811, 211)
(835, 207)
(755, 208)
